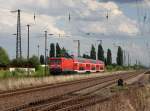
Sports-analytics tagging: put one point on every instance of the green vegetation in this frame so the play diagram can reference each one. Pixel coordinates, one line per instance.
(42, 60)
(18, 63)
(120, 56)
(100, 54)
(52, 50)
(58, 50)
(4, 58)
(19, 73)
(93, 52)
(86, 56)
(109, 57)
(119, 88)
(32, 63)
(115, 67)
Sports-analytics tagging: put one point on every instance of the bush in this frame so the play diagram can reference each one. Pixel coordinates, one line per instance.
(110, 67)
(40, 72)
(115, 67)
(4, 59)
(18, 62)
(34, 62)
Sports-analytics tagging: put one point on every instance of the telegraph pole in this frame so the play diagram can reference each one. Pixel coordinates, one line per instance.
(16, 46)
(19, 35)
(78, 41)
(28, 26)
(38, 50)
(45, 50)
(18, 40)
(128, 60)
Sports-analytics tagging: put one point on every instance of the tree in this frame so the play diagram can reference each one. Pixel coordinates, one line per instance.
(93, 52)
(52, 50)
(20, 62)
(86, 56)
(4, 58)
(58, 50)
(42, 61)
(34, 62)
(119, 58)
(100, 53)
(64, 53)
(109, 57)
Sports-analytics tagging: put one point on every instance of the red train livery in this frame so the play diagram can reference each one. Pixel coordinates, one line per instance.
(80, 65)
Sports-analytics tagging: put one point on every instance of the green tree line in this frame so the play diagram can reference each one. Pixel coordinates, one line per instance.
(57, 51)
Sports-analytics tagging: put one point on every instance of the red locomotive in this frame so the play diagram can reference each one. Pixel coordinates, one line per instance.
(80, 65)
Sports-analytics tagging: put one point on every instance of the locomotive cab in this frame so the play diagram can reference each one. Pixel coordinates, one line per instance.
(61, 65)
(55, 65)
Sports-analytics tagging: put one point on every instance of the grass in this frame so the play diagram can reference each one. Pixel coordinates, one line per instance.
(111, 68)
(41, 73)
(23, 74)
(135, 99)
(37, 78)
(118, 88)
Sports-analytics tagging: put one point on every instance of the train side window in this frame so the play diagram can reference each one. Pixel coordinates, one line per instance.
(87, 65)
(75, 64)
(81, 68)
(93, 68)
(101, 68)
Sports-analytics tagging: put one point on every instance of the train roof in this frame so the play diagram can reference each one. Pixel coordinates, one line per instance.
(79, 59)
(87, 60)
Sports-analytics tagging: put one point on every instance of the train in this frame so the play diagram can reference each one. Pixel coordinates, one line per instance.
(77, 65)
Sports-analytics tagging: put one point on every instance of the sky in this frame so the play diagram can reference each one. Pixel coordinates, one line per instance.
(124, 23)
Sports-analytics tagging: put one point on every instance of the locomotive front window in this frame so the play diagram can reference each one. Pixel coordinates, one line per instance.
(55, 61)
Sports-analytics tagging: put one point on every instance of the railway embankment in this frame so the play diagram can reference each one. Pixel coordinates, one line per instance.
(17, 83)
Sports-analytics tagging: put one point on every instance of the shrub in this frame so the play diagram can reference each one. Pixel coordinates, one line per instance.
(18, 62)
(4, 59)
(34, 62)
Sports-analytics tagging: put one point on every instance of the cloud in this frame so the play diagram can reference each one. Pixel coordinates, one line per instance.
(122, 1)
(87, 16)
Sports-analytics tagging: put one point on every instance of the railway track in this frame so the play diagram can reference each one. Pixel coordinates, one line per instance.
(65, 97)
(76, 102)
(37, 88)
